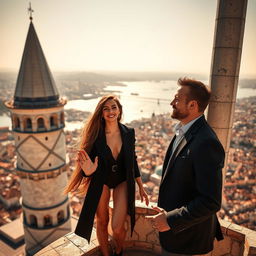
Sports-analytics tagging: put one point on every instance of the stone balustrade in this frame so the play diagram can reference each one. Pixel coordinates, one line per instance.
(238, 241)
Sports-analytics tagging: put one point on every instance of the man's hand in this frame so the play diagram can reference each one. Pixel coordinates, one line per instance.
(159, 221)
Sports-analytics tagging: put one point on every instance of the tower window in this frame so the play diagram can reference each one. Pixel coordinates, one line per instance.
(28, 124)
(60, 216)
(49, 175)
(40, 124)
(47, 221)
(62, 119)
(33, 220)
(24, 218)
(53, 122)
(16, 123)
(41, 176)
(46, 138)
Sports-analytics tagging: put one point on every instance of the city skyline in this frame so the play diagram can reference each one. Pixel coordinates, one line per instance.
(120, 35)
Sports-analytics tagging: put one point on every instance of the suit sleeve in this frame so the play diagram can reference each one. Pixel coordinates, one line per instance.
(135, 164)
(208, 161)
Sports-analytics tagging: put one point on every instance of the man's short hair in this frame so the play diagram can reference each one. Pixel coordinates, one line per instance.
(197, 91)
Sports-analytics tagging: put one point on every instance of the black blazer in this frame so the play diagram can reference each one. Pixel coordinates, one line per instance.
(191, 190)
(98, 178)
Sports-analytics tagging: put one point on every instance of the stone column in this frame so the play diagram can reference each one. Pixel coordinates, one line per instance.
(226, 57)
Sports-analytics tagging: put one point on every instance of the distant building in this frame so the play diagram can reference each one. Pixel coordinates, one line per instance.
(4, 133)
(157, 175)
(37, 114)
(10, 197)
(12, 239)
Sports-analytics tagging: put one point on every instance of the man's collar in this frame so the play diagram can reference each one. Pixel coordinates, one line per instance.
(182, 129)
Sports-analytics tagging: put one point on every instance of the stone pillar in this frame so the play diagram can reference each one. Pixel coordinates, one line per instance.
(226, 57)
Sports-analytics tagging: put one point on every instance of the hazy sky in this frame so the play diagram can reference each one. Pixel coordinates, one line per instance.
(136, 35)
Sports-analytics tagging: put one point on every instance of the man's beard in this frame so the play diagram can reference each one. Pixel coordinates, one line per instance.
(176, 114)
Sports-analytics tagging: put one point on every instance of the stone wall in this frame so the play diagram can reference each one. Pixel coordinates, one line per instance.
(238, 241)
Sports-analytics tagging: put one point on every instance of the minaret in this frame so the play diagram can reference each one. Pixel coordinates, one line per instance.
(37, 114)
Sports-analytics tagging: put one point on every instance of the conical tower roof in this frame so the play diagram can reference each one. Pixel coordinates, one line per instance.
(35, 87)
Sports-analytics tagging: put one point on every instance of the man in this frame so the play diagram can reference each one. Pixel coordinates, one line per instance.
(191, 185)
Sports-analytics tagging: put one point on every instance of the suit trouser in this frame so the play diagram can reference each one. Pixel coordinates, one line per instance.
(165, 253)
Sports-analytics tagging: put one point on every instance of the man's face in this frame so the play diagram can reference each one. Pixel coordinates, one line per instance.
(180, 104)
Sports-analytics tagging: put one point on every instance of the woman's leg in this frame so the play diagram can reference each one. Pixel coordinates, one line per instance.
(102, 218)
(119, 214)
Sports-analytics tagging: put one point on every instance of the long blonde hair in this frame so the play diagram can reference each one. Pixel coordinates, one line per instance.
(89, 134)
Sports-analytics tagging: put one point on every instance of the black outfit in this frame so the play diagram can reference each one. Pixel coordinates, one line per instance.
(129, 168)
(191, 190)
(115, 168)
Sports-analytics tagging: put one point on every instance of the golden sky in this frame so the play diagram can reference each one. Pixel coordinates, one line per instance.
(132, 35)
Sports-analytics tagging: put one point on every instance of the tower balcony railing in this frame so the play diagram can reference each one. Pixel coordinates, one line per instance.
(238, 240)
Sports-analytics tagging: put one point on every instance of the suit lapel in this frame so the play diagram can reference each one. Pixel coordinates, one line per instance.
(173, 156)
(179, 147)
(167, 155)
(186, 139)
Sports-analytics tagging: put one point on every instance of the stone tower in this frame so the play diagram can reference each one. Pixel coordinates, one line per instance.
(37, 114)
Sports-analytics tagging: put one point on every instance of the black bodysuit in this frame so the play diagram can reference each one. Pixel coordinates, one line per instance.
(115, 168)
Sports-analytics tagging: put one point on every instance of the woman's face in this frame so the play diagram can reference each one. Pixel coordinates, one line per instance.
(110, 111)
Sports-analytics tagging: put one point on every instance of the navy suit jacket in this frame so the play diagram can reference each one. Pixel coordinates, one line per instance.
(191, 191)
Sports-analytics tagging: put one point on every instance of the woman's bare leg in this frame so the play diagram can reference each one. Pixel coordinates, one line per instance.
(102, 218)
(119, 214)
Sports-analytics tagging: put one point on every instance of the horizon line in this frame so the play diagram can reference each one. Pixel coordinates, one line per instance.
(15, 70)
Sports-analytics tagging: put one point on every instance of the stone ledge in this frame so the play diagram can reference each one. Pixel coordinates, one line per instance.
(71, 244)
(238, 241)
(239, 235)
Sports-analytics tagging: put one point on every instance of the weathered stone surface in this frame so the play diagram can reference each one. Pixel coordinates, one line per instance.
(48, 250)
(138, 253)
(143, 227)
(251, 246)
(239, 241)
(129, 244)
(235, 232)
(145, 245)
(224, 226)
(157, 249)
(59, 242)
(51, 252)
(68, 249)
(237, 249)
(79, 242)
(222, 247)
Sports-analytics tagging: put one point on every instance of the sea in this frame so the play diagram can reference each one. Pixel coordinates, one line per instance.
(139, 100)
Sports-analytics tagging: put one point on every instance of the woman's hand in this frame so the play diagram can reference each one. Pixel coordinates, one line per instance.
(143, 195)
(86, 163)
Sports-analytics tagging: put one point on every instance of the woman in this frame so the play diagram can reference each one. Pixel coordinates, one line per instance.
(107, 159)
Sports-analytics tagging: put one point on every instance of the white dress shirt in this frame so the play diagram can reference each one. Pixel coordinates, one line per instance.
(180, 131)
